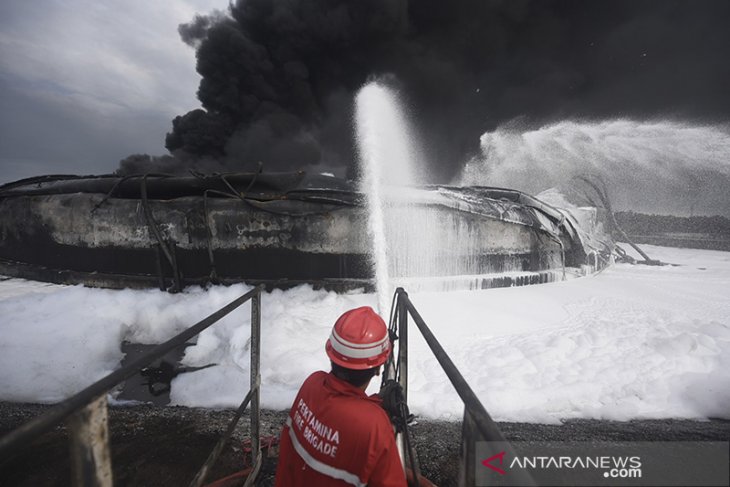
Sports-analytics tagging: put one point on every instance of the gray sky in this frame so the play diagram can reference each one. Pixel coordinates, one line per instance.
(84, 83)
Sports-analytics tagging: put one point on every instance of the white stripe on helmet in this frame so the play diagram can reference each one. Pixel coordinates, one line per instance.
(358, 350)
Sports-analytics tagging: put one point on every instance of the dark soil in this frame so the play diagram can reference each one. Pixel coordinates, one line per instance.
(161, 446)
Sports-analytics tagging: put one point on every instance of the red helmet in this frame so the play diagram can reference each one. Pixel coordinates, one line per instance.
(359, 340)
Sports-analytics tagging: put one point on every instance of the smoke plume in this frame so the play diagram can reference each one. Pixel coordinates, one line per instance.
(278, 78)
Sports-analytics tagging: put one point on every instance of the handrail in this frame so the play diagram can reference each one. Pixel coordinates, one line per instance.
(215, 453)
(474, 411)
(25, 434)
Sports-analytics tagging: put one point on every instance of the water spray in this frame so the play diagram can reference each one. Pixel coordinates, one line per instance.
(386, 155)
(661, 166)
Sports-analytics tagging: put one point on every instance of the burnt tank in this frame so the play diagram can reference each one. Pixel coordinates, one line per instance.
(280, 229)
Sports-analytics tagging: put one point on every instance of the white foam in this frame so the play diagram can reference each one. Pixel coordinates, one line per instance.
(630, 342)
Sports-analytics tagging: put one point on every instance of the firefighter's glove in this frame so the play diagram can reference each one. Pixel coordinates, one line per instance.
(395, 405)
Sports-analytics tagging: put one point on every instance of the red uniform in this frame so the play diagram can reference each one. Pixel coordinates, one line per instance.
(335, 436)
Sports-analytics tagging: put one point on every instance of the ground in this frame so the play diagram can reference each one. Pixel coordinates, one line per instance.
(161, 446)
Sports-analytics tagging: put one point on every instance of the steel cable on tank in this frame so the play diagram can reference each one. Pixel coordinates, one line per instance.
(152, 225)
(122, 180)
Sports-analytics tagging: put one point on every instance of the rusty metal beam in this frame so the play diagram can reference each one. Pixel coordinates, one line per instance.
(88, 430)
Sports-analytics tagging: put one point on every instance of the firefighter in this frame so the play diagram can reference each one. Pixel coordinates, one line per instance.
(335, 434)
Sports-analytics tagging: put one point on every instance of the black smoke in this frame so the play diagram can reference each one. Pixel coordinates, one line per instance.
(278, 77)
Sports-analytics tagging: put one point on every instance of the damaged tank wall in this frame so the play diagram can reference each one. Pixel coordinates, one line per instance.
(77, 235)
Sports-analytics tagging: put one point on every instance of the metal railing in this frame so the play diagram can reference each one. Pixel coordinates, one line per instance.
(477, 425)
(86, 413)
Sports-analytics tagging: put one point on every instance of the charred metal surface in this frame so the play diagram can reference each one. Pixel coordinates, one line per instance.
(159, 231)
(293, 186)
(121, 281)
(254, 264)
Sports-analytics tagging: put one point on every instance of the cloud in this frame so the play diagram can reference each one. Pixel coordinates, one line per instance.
(128, 57)
(85, 83)
(41, 133)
